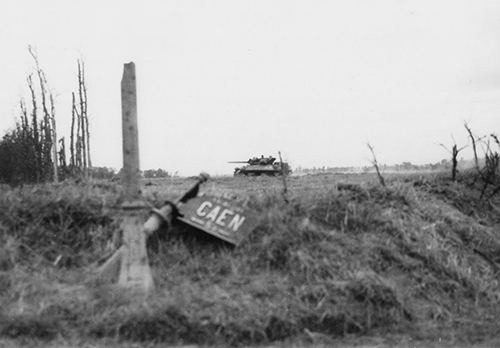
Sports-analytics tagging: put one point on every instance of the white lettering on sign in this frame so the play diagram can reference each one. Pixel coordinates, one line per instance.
(213, 214)
(202, 207)
(236, 222)
(223, 219)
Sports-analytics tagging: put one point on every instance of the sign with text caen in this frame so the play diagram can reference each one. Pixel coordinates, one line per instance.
(223, 218)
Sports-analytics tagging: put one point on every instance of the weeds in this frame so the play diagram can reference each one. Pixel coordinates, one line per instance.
(350, 260)
(40, 223)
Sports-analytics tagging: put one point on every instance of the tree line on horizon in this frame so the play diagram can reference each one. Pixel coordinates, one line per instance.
(442, 165)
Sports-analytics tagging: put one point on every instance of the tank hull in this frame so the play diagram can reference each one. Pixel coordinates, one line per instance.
(256, 170)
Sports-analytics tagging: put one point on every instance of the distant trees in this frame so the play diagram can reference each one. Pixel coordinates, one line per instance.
(29, 152)
(156, 173)
(146, 174)
(442, 165)
(102, 173)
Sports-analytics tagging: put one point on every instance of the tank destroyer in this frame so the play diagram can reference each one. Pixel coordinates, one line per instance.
(262, 166)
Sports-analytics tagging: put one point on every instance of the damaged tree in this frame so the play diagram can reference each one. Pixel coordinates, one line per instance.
(375, 165)
(27, 152)
(497, 142)
(489, 173)
(454, 157)
(80, 161)
(32, 152)
(49, 147)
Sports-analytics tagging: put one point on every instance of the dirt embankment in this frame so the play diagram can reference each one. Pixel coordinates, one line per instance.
(419, 259)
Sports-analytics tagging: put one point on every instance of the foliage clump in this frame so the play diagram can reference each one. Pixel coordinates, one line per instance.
(46, 223)
(31, 152)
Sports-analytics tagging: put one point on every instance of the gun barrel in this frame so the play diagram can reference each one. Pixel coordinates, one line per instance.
(237, 162)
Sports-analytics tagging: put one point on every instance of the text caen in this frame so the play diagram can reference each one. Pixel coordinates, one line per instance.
(221, 216)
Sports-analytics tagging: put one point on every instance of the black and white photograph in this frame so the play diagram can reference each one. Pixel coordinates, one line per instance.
(250, 173)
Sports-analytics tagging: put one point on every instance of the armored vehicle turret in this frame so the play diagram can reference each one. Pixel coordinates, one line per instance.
(262, 166)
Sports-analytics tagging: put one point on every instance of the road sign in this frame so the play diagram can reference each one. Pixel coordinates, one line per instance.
(221, 217)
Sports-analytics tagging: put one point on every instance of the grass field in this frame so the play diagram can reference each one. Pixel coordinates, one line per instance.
(344, 261)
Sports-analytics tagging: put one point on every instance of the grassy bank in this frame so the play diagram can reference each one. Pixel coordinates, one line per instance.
(343, 258)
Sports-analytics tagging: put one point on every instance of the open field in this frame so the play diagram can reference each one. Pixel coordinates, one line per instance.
(344, 262)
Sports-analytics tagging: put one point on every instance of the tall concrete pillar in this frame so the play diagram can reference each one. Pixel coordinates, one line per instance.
(135, 272)
(130, 134)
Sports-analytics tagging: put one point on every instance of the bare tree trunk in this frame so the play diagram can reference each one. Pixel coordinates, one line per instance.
(454, 157)
(54, 138)
(24, 117)
(86, 115)
(34, 124)
(78, 143)
(375, 164)
(72, 135)
(50, 136)
(474, 149)
(62, 155)
(454, 162)
(82, 119)
(488, 174)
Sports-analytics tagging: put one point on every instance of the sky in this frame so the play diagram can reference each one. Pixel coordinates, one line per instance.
(228, 80)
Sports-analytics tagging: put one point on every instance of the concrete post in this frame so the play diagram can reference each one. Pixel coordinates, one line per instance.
(134, 267)
(130, 133)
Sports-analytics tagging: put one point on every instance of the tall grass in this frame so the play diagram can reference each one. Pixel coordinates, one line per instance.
(351, 259)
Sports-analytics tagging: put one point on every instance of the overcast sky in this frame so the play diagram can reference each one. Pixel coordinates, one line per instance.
(228, 80)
